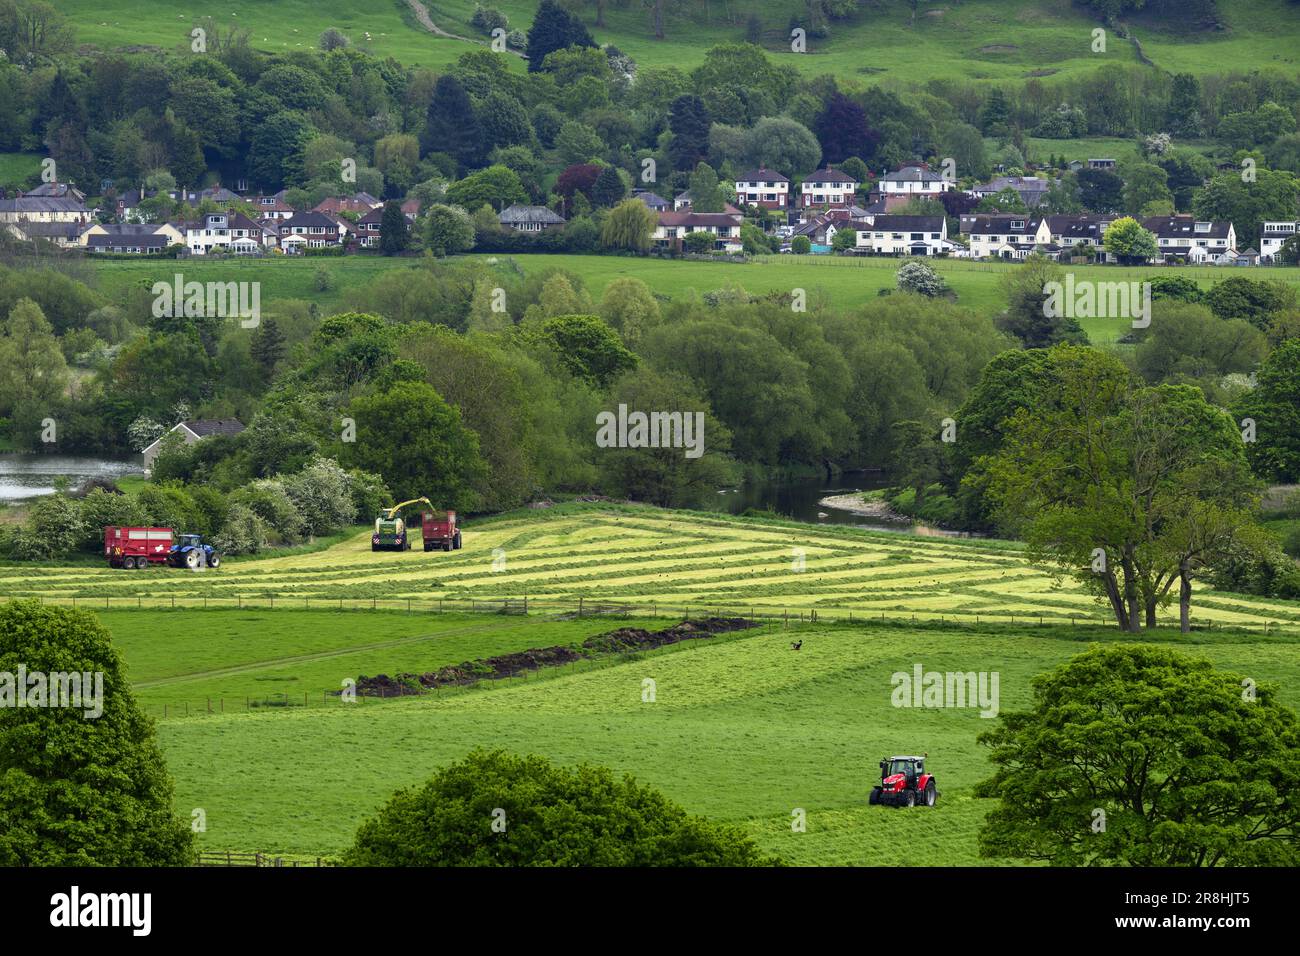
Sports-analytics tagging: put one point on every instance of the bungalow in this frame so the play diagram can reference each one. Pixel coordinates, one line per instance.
(523, 218)
(1102, 164)
(359, 203)
(191, 432)
(902, 235)
(1183, 237)
(313, 230)
(1030, 189)
(827, 187)
(62, 234)
(218, 194)
(675, 226)
(1008, 237)
(913, 180)
(135, 238)
(656, 202)
(763, 187)
(1272, 235)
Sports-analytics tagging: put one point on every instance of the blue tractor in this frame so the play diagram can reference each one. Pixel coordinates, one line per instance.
(190, 551)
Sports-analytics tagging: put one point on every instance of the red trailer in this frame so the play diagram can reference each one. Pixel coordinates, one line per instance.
(440, 530)
(136, 547)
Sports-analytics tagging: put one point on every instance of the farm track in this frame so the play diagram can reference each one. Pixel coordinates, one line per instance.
(648, 558)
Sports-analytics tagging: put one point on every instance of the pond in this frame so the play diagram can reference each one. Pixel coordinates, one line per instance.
(24, 476)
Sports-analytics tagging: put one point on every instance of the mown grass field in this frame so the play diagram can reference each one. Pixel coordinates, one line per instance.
(652, 559)
(976, 40)
(741, 728)
(840, 283)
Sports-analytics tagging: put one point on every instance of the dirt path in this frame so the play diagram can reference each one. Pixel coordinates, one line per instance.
(421, 13)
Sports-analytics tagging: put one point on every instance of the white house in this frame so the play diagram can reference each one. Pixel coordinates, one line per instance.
(913, 181)
(902, 235)
(1272, 235)
(190, 432)
(827, 187)
(1008, 237)
(763, 187)
(675, 226)
(1184, 237)
(226, 232)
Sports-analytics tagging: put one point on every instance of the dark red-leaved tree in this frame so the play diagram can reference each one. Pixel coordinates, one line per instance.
(843, 131)
(578, 178)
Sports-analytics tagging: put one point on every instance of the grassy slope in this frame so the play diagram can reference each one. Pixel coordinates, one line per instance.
(974, 40)
(741, 730)
(644, 556)
(178, 657)
(840, 283)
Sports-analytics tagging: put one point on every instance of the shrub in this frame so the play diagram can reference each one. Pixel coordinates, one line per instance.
(553, 816)
(801, 245)
(243, 533)
(54, 529)
(920, 278)
(99, 510)
(487, 19)
(322, 493)
(698, 242)
(268, 499)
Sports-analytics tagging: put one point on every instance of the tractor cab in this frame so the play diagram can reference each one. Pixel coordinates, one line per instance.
(904, 782)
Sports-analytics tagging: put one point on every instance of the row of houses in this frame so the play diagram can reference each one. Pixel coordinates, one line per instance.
(57, 212)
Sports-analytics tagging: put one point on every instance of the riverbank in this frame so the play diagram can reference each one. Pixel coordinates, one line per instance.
(866, 504)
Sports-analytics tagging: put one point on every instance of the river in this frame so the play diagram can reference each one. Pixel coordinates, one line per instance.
(24, 476)
(800, 498)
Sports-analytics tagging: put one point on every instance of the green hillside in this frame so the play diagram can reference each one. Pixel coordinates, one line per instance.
(971, 40)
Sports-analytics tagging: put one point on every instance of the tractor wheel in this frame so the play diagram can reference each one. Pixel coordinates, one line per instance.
(909, 801)
(428, 546)
(129, 563)
(873, 798)
(931, 794)
(456, 541)
(192, 559)
(215, 560)
(142, 563)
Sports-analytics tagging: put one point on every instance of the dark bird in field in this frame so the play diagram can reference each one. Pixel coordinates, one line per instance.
(796, 645)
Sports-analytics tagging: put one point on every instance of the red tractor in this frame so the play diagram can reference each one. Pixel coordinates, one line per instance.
(904, 783)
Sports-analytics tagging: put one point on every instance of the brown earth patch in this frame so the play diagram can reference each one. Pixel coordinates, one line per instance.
(624, 640)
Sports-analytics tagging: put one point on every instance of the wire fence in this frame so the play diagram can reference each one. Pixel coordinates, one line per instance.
(582, 606)
(771, 616)
(240, 858)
